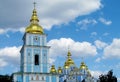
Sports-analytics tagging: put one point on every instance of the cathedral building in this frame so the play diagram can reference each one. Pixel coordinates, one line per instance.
(71, 73)
(34, 64)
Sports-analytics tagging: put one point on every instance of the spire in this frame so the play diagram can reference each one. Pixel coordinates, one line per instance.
(34, 27)
(69, 59)
(34, 4)
(34, 18)
(83, 65)
(69, 53)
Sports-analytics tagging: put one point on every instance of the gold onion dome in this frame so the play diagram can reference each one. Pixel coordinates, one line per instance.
(66, 66)
(83, 66)
(70, 61)
(59, 70)
(53, 70)
(34, 27)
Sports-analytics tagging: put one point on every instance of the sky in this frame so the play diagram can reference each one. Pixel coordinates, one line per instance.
(90, 28)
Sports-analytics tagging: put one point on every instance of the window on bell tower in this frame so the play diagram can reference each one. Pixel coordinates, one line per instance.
(36, 59)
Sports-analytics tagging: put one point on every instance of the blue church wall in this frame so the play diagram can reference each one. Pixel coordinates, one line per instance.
(30, 42)
(19, 77)
(43, 41)
(54, 79)
(79, 78)
(44, 68)
(36, 68)
(27, 78)
(21, 62)
(29, 68)
(35, 39)
(47, 78)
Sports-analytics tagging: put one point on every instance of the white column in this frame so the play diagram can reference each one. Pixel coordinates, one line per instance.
(32, 60)
(57, 79)
(41, 60)
(47, 61)
(14, 79)
(23, 78)
(24, 57)
(50, 78)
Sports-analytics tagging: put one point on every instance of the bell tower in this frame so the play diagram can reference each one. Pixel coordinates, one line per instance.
(34, 53)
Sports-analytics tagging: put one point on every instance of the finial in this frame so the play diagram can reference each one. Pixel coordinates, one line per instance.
(34, 4)
(69, 53)
(82, 59)
(68, 47)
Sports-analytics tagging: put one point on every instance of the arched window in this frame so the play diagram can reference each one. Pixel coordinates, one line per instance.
(36, 59)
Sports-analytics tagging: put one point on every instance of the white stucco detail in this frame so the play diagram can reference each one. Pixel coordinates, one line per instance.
(32, 60)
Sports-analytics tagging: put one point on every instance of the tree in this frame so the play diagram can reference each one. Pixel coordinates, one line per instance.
(107, 78)
(5, 78)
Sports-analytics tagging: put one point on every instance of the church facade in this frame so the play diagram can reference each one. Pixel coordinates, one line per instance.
(34, 64)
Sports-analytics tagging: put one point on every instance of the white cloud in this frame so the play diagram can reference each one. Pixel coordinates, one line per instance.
(96, 73)
(98, 60)
(118, 79)
(67, 12)
(55, 13)
(59, 47)
(2, 31)
(10, 55)
(104, 21)
(21, 29)
(100, 45)
(51, 61)
(10, 51)
(3, 63)
(113, 50)
(84, 23)
(93, 33)
(106, 34)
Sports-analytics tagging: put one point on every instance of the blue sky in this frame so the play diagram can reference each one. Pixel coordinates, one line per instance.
(89, 27)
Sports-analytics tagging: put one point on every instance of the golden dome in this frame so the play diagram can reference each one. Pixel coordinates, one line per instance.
(66, 66)
(34, 27)
(83, 66)
(59, 70)
(70, 61)
(53, 70)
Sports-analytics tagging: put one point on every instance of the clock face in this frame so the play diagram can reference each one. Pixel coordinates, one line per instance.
(35, 38)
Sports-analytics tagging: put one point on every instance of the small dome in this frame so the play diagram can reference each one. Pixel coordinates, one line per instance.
(66, 65)
(59, 70)
(70, 61)
(53, 70)
(83, 66)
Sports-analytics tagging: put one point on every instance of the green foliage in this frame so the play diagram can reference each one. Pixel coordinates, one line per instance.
(5, 78)
(107, 78)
